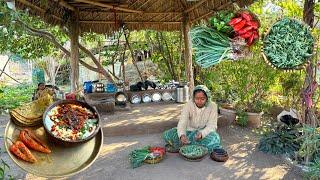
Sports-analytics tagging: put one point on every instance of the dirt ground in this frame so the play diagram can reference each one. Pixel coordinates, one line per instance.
(245, 161)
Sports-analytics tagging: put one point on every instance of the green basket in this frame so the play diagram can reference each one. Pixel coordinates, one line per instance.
(193, 152)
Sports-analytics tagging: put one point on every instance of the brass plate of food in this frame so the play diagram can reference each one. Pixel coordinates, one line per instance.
(61, 161)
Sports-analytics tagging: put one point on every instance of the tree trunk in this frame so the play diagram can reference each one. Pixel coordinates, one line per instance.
(74, 59)
(308, 12)
(170, 59)
(51, 38)
(161, 49)
(133, 58)
(188, 51)
(180, 51)
(309, 86)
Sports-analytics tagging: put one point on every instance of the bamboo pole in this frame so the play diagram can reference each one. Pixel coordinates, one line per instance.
(109, 6)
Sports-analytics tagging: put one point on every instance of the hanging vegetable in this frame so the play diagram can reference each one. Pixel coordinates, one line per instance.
(245, 26)
(220, 21)
(210, 46)
(288, 44)
(216, 43)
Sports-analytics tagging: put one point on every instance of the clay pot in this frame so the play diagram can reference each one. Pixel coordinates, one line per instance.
(227, 117)
(254, 119)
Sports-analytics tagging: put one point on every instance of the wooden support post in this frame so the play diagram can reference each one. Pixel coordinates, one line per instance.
(74, 58)
(188, 51)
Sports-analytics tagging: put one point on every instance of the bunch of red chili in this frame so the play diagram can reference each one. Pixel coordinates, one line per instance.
(245, 26)
(28, 139)
(160, 150)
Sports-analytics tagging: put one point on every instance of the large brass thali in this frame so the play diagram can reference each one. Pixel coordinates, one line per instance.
(63, 161)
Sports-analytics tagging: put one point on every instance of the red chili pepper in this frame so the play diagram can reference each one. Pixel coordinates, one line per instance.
(256, 35)
(21, 151)
(246, 16)
(33, 142)
(235, 21)
(250, 41)
(240, 25)
(245, 29)
(254, 24)
(247, 34)
(159, 150)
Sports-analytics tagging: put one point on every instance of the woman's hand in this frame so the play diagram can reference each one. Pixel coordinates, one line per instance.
(198, 136)
(184, 139)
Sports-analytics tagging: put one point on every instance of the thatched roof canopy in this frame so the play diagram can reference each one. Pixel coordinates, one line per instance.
(102, 16)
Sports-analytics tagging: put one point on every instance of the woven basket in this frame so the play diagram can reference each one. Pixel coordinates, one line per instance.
(194, 158)
(299, 67)
(171, 149)
(154, 160)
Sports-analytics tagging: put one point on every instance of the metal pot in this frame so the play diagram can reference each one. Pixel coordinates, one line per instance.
(99, 89)
(99, 85)
(182, 94)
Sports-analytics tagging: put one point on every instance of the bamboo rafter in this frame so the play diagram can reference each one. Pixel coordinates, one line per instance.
(109, 6)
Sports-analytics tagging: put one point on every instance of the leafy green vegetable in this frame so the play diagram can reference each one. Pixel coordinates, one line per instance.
(288, 44)
(192, 150)
(220, 21)
(280, 141)
(137, 156)
(210, 46)
(314, 170)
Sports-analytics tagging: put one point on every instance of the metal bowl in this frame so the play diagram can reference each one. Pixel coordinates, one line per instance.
(156, 97)
(135, 99)
(166, 96)
(146, 98)
(48, 123)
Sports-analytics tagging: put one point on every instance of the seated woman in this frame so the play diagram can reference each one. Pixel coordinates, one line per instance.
(197, 124)
(42, 90)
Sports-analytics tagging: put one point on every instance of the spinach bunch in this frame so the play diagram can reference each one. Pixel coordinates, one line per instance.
(288, 44)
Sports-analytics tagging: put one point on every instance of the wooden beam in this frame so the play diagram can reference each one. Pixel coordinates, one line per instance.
(144, 13)
(186, 26)
(131, 22)
(211, 12)
(109, 6)
(183, 3)
(37, 8)
(143, 4)
(195, 6)
(74, 46)
(66, 5)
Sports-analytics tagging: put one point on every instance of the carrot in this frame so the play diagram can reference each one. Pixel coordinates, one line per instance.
(22, 152)
(33, 142)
